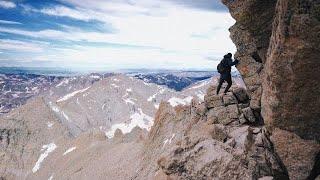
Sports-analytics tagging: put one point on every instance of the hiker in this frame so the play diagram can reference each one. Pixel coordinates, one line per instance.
(224, 68)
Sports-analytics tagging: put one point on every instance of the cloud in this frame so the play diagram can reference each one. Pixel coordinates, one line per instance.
(7, 4)
(63, 11)
(170, 34)
(176, 32)
(9, 22)
(118, 7)
(15, 45)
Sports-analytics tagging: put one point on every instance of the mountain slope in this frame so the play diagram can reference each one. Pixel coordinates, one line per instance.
(195, 141)
(115, 102)
(23, 133)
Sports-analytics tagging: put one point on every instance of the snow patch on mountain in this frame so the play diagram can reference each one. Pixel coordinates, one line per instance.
(50, 178)
(54, 108)
(47, 149)
(161, 91)
(50, 124)
(168, 141)
(200, 95)
(129, 100)
(201, 84)
(152, 97)
(58, 111)
(174, 101)
(102, 107)
(114, 85)
(69, 150)
(95, 77)
(70, 95)
(65, 116)
(65, 81)
(139, 119)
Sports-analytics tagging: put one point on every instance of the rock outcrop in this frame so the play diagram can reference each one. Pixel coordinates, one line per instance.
(278, 45)
(278, 48)
(208, 141)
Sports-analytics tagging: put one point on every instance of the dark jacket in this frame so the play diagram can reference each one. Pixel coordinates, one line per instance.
(228, 63)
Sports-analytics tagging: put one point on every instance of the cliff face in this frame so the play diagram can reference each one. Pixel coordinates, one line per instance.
(291, 85)
(251, 35)
(278, 44)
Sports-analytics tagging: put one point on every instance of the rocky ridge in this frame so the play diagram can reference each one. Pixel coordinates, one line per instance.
(215, 139)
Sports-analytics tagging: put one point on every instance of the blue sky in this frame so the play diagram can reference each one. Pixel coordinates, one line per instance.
(114, 34)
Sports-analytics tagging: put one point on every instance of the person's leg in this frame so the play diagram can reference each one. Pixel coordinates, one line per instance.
(219, 85)
(229, 81)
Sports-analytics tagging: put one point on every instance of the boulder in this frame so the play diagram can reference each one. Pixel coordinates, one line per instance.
(224, 115)
(298, 155)
(242, 137)
(241, 94)
(248, 114)
(212, 101)
(201, 109)
(229, 99)
(242, 119)
(219, 133)
(211, 117)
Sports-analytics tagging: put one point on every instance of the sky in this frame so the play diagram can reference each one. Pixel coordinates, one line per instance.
(114, 34)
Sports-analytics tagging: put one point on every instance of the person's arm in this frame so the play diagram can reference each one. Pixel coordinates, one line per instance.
(235, 62)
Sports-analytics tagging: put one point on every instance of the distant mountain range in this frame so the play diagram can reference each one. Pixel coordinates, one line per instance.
(36, 71)
(176, 80)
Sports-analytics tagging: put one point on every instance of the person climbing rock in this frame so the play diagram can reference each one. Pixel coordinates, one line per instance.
(224, 68)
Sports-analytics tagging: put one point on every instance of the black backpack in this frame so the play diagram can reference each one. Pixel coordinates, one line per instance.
(222, 67)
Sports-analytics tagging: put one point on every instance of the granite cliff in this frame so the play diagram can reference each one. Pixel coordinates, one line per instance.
(278, 49)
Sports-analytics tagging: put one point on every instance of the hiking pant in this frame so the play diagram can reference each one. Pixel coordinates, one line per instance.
(223, 78)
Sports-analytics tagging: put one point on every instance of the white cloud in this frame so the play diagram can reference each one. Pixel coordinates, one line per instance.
(172, 32)
(180, 36)
(119, 7)
(7, 44)
(9, 22)
(64, 11)
(7, 4)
